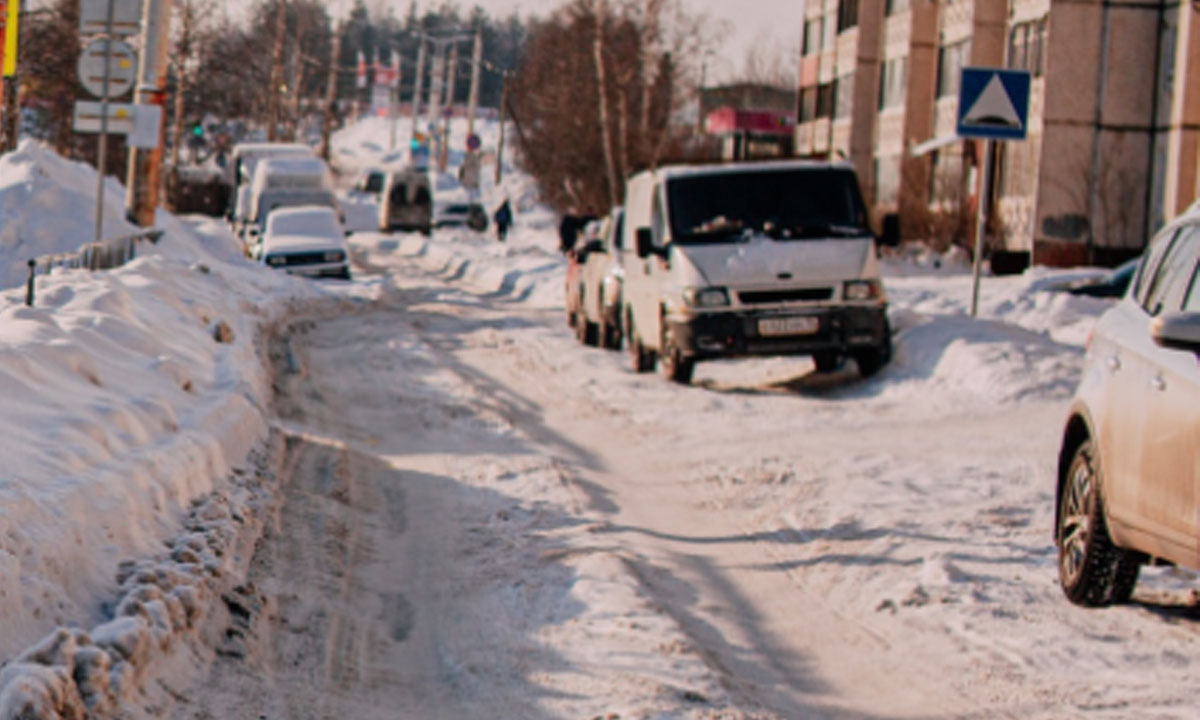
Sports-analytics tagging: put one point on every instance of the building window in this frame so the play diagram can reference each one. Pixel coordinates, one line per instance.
(847, 14)
(812, 35)
(825, 95)
(1027, 47)
(808, 104)
(892, 83)
(887, 180)
(951, 59)
(844, 96)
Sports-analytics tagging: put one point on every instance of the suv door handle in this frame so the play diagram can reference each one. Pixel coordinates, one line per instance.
(1158, 383)
(1114, 363)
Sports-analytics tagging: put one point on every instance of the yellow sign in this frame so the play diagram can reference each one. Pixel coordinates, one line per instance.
(13, 12)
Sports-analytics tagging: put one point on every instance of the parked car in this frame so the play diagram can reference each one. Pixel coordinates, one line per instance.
(307, 240)
(1112, 284)
(1129, 464)
(751, 259)
(573, 290)
(407, 202)
(599, 318)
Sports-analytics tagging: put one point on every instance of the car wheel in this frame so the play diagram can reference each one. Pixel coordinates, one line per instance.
(641, 360)
(674, 366)
(1092, 571)
(610, 336)
(870, 361)
(585, 330)
(827, 361)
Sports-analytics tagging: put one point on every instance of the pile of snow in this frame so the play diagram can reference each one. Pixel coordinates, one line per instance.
(129, 395)
(48, 205)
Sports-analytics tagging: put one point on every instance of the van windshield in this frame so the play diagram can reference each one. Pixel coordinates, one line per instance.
(792, 204)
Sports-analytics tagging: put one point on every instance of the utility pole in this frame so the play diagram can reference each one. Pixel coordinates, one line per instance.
(451, 83)
(276, 80)
(418, 84)
(102, 148)
(12, 80)
(500, 142)
(476, 67)
(331, 88)
(397, 70)
(187, 22)
(141, 197)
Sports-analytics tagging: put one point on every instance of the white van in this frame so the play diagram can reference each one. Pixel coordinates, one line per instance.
(751, 259)
(241, 166)
(287, 182)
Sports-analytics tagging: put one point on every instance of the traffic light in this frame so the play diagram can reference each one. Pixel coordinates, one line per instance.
(198, 130)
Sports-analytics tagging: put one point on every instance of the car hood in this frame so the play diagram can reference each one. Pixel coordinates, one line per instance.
(299, 243)
(761, 260)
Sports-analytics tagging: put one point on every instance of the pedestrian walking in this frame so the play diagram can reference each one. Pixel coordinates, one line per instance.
(503, 218)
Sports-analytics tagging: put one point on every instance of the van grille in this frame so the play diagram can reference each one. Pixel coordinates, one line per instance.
(758, 297)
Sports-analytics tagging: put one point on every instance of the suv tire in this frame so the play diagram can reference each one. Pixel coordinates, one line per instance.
(674, 366)
(1091, 569)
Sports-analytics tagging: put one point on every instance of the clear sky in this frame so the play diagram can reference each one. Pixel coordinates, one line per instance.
(772, 24)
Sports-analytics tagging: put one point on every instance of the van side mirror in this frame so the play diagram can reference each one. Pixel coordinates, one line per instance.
(1177, 331)
(891, 230)
(645, 242)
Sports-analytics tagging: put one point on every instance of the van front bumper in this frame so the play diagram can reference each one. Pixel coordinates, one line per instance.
(784, 332)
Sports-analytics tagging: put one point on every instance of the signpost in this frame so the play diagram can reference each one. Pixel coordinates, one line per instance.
(993, 104)
(105, 57)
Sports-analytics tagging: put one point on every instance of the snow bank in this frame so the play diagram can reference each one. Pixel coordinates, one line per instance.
(128, 395)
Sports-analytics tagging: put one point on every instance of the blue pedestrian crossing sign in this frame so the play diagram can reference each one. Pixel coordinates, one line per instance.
(993, 104)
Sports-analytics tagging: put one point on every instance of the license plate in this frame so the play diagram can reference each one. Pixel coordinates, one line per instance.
(788, 326)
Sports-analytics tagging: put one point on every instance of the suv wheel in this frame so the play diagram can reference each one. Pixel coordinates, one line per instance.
(872, 360)
(1091, 570)
(641, 360)
(827, 361)
(675, 367)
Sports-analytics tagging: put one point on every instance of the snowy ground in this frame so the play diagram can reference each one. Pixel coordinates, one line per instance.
(769, 543)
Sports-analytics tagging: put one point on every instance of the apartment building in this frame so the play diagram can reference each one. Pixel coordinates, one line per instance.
(1113, 147)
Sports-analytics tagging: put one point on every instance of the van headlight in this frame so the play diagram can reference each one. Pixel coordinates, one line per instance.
(709, 297)
(863, 290)
(334, 256)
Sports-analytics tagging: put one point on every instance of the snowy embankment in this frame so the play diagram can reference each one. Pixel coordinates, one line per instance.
(133, 400)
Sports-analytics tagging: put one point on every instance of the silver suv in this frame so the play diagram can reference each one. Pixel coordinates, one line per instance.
(1129, 464)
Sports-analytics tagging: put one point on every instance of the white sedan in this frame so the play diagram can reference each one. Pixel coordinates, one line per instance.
(306, 240)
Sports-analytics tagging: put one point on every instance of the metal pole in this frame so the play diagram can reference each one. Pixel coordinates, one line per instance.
(451, 78)
(500, 143)
(102, 149)
(476, 66)
(398, 69)
(418, 83)
(985, 189)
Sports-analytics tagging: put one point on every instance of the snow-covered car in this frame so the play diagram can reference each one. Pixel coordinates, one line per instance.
(1112, 284)
(306, 240)
(459, 211)
(1128, 465)
(599, 319)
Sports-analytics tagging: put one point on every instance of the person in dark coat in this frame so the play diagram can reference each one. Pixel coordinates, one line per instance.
(503, 218)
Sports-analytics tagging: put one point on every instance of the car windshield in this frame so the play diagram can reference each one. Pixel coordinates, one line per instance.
(312, 224)
(793, 204)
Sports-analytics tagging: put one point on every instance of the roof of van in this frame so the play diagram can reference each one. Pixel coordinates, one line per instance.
(674, 171)
(269, 147)
(294, 165)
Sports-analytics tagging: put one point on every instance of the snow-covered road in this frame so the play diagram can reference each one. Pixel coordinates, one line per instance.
(232, 493)
(574, 540)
